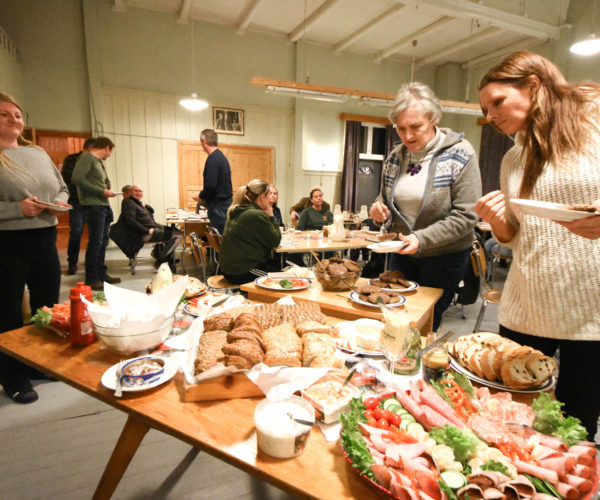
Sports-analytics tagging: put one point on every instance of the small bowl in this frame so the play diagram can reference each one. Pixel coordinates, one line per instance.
(277, 434)
(129, 343)
(142, 371)
(333, 282)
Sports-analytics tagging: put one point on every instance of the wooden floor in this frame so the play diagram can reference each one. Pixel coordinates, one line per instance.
(57, 447)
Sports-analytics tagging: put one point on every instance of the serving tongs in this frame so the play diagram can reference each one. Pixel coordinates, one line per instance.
(119, 380)
(436, 342)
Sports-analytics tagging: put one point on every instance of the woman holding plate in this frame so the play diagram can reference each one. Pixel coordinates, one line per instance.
(28, 253)
(430, 183)
(251, 233)
(551, 298)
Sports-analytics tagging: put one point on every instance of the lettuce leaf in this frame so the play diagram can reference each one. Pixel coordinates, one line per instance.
(550, 420)
(463, 441)
(41, 317)
(352, 438)
(494, 465)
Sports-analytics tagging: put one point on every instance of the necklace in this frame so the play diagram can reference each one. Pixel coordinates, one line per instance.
(413, 169)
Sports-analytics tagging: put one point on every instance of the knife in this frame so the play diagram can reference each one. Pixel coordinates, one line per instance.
(436, 342)
(219, 302)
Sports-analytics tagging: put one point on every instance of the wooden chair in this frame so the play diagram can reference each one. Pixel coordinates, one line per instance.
(489, 294)
(502, 254)
(218, 281)
(199, 254)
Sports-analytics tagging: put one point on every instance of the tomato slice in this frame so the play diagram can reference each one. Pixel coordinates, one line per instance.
(371, 403)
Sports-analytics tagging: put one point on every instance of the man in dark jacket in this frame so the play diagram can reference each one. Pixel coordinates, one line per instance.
(76, 215)
(136, 226)
(217, 193)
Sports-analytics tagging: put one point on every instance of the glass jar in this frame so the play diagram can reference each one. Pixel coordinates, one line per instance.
(436, 362)
(408, 364)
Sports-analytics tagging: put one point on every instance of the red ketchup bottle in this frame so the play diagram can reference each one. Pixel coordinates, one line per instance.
(81, 332)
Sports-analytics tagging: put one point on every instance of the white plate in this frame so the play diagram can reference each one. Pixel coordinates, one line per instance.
(497, 385)
(413, 286)
(261, 283)
(346, 332)
(54, 206)
(550, 210)
(387, 246)
(109, 377)
(355, 298)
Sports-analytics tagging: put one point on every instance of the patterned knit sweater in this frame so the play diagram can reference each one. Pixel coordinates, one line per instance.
(553, 286)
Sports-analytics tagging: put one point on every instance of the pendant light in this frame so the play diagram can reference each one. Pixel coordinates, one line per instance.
(192, 103)
(591, 45)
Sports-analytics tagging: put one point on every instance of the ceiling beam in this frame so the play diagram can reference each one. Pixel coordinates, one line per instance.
(366, 27)
(387, 52)
(455, 47)
(495, 17)
(119, 5)
(524, 43)
(246, 16)
(183, 16)
(299, 30)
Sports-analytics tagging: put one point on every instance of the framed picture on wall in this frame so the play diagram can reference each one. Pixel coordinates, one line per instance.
(228, 121)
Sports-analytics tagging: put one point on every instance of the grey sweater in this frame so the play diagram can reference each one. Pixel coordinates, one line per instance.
(33, 175)
(446, 219)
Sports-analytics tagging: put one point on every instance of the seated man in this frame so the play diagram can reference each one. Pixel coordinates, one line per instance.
(297, 209)
(316, 216)
(136, 226)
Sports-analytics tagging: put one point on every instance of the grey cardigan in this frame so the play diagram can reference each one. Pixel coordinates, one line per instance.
(446, 219)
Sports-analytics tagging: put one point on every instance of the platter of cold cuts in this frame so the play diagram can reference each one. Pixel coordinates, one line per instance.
(450, 441)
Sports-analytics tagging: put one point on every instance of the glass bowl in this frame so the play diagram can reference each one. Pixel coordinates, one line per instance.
(333, 282)
(122, 342)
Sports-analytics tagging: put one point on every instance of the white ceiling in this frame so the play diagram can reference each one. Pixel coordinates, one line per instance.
(466, 32)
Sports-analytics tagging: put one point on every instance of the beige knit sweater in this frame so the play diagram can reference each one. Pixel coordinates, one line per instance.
(553, 286)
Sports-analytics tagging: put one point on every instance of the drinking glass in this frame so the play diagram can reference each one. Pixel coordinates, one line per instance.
(395, 345)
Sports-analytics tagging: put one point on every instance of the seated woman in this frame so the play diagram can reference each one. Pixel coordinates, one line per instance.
(136, 226)
(251, 232)
(316, 216)
(273, 197)
(296, 210)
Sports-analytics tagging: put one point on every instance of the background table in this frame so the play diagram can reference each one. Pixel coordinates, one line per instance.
(419, 303)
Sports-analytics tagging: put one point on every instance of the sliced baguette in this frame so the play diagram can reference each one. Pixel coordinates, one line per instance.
(540, 366)
(515, 374)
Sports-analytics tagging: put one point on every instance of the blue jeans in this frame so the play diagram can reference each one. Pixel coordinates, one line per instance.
(98, 218)
(217, 213)
(442, 271)
(77, 222)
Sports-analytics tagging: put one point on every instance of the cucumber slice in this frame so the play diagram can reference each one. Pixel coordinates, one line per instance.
(394, 409)
(389, 402)
(404, 424)
(408, 417)
(454, 479)
(414, 427)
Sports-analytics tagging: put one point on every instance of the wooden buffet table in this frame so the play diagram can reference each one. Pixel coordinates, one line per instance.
(419, 303)
(320, 472)
(305, 241)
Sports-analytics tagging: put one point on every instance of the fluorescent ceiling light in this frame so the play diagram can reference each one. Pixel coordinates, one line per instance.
(375, 101)
(192, 103)
(461, 111)
(316, 95)
(588, 47)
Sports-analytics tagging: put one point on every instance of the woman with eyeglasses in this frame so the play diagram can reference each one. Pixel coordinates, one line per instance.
(429, 185)
(251, 233)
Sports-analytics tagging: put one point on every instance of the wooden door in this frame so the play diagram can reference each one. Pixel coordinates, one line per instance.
(247, 163)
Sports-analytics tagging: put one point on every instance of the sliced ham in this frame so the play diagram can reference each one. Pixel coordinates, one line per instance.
(435, 419)
(581, 458)
(582, 484)
(582, 450)
(540, 452)
(524, 486)
(368, 430)
(381, 444)
(487, 478)
(377, 455)
(410, 405)
(518, 412)
(435, 401)
(472, 490)
(407, 451)
(542, 496)
(488, 428)
(583, 471)
(402, 478)
(553, 442)
(403, 492)
(493, 494)
(429, 486)
(411, 466)
(536, 470)
(562, 465)
(510, 492)
(567, 491)
(383, 475)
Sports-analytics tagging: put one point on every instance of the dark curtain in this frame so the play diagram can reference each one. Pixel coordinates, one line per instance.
(351, 152)
(391, 137)
(492, 148)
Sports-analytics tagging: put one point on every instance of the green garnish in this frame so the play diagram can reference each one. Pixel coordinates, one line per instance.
(494, 465)
(551, 420)
(463, 442)
(41, 318)
(286, 284)
(352, 438)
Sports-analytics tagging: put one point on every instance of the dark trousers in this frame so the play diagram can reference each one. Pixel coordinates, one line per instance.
(442, 271)
(98, 218)
(577, 376)
(27, 257)
(77, 222)
(271, 266)
(217, 213)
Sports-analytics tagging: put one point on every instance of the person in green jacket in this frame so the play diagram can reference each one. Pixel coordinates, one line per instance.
(316, 216)
(251, 233)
